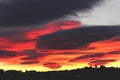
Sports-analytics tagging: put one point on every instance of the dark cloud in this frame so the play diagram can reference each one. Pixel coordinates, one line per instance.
(30, 62)
(52, 65)
(34, 57)
(30, 58)
(77, 38)
(12, 34)
(61, 59)
(29, 52)
(117, 38)
(86, 57)
(7, 54)
(27, 12)
(114, 52)
(15, 36)
(101, 62)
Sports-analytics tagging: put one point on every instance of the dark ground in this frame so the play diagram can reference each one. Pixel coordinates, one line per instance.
(86, 73)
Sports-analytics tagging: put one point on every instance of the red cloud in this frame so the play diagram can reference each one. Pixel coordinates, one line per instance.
(53, 27)
(52, 65)
(64, 25)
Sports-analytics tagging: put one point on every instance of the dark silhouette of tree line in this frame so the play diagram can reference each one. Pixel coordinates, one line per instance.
(87, 73)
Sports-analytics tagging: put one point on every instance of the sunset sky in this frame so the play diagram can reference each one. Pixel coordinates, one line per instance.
(45, 35)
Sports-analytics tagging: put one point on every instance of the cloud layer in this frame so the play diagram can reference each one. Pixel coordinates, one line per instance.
(60, 45)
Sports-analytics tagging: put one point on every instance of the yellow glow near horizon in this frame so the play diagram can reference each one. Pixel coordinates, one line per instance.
(44, 69)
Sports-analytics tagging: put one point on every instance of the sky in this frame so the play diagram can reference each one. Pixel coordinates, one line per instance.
(47, 35)
(107, 14)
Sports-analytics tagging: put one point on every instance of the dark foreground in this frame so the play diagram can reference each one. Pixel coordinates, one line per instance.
(86, 73)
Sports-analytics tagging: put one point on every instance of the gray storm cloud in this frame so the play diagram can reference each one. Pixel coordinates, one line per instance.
(32, 12)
